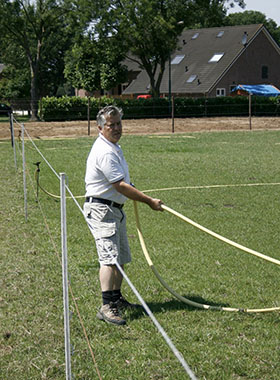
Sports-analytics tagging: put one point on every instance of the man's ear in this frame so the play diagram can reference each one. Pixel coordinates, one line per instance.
(99, 128)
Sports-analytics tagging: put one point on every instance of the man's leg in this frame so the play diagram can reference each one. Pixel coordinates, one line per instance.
(110, 280)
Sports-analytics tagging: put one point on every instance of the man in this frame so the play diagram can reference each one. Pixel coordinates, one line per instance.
(107, 188)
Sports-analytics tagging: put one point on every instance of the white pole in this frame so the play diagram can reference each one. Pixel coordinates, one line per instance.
(65, 277)
(23, 170)
(13, 138)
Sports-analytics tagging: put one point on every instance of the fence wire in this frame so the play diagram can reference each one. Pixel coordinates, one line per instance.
(175, 351)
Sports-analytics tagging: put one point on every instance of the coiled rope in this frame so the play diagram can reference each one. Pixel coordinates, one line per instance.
(156, 273)
(172, 291)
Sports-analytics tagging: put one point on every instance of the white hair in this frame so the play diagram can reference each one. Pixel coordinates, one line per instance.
(105, 112)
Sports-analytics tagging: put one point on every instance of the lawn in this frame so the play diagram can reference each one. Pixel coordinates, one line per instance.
(216, 345)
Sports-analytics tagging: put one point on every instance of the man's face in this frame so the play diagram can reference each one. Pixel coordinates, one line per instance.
(112, 130)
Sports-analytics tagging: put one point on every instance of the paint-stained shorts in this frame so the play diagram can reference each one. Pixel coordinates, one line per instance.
(108, 227)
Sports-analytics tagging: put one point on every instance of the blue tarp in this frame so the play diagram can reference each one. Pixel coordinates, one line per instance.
(258, 89)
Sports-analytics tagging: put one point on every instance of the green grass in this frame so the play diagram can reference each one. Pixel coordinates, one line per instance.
(20, 118)
(216, 345)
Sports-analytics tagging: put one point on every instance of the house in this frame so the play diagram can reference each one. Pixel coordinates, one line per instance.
(210, 62)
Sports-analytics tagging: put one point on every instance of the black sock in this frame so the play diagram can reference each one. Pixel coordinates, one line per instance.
(116, 295)
(107, 297)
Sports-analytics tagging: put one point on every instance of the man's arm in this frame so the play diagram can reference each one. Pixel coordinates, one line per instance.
(137, 195)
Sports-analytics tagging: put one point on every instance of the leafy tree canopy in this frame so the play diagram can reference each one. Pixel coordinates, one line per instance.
(41, 32)
(254, 17)
(147, 31)
(92, 66)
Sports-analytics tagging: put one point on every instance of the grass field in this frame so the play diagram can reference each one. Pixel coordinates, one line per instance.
(216, 345)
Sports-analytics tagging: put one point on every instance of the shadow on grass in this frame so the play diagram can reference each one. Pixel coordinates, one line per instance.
(173, 305)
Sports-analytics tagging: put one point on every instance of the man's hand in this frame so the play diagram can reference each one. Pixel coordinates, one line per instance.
(155, 204)
(136, 195)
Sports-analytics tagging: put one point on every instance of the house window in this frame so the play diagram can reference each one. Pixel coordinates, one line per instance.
(220, 34)
(195, 36)
(176, 60)
(264, 72)
(191, 78)
(124, 86)
(216, 57)
(220, 92)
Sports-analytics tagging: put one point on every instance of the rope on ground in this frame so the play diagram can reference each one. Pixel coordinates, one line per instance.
(212, 186)
(175, 188)
(36, 176)
(168, 341)
(217, 236)
(183, 299)
(173, 292)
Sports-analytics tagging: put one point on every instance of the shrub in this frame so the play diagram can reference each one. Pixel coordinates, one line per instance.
(76, 108)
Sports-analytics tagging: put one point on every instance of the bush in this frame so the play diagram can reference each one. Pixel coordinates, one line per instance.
(76, 108)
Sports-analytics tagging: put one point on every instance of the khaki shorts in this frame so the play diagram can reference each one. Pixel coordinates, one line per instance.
(108, 227)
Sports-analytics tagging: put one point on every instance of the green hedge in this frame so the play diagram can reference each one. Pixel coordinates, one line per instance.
(76, 108)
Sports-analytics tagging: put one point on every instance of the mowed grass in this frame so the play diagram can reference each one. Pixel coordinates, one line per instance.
(216, 345)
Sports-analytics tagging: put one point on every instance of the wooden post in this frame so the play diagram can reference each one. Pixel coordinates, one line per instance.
(88, 116)
(172, 114)
(250, 111)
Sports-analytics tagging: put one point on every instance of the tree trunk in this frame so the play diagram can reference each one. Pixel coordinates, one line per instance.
(34, 98)
(34, 68)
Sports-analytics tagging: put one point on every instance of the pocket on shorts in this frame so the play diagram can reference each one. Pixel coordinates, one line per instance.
(103, 229)
(100, 220)
(97, 211)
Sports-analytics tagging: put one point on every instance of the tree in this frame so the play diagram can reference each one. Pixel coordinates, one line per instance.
(15, 77)
(92, 66)
(147, 31)
(254, 17)
(39, 31)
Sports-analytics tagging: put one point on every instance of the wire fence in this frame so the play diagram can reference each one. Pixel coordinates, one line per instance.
(63, 261)
(77, 108)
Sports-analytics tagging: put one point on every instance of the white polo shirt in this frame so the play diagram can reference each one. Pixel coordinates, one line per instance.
(105, 165)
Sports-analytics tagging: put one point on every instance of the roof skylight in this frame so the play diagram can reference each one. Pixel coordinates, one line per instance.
(176, 60)
(192, 78)
(216, 57)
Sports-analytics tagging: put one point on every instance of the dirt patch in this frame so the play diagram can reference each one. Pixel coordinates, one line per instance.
(74, 129)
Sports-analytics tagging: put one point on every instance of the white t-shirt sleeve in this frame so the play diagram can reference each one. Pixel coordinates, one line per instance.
(111, 168)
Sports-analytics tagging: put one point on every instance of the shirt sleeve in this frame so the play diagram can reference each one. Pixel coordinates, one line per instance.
(111, 167)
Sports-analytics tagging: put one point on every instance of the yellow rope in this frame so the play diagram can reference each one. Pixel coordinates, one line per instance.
(47, 192)
(230, 242)
(147, 256)
(173, 292)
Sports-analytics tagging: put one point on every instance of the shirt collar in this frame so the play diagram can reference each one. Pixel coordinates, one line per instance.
(115, 146)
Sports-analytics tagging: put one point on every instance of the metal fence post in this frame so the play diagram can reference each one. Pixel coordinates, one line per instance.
(13, 137)
(23, 172)
(65, 277)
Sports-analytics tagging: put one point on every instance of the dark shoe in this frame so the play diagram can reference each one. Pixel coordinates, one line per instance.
(110, 313)
(123, 304)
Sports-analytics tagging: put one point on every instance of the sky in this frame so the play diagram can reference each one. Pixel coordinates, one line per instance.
(271, 8)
